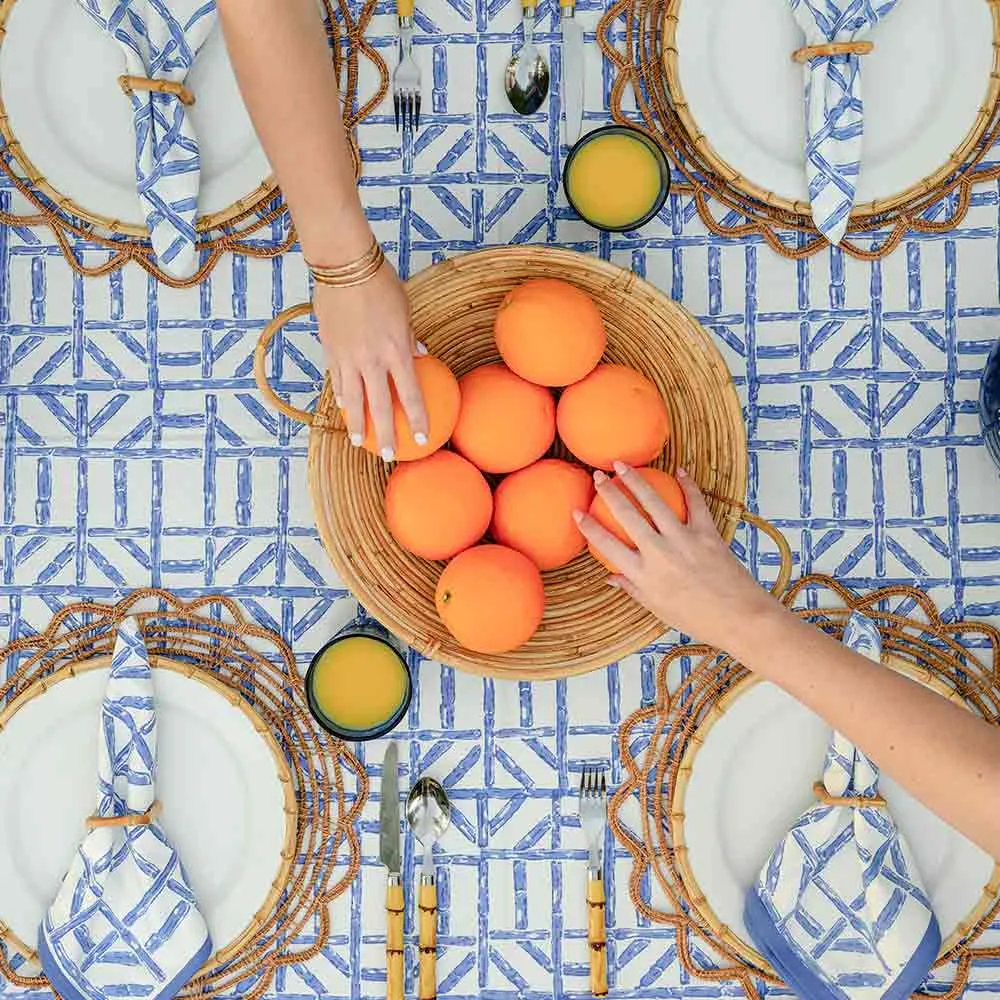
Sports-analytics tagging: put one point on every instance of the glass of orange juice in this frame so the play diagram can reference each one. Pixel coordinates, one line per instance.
(616, 178)
(358, 685)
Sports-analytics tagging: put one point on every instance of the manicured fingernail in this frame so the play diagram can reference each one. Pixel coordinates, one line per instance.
(682, 473)
(621, 468)
(420, 438)
(340, 402)
(599, 477)
(578, 516)
(422, 349)
(388, 454)
(356, 440)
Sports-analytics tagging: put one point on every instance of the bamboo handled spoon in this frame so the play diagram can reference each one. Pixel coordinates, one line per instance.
(429, 815)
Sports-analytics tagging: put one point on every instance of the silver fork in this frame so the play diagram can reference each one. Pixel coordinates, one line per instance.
(594, 820)
(406, 75)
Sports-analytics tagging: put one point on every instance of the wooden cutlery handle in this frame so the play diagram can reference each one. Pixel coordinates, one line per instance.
(428, 939)
(404, 8)
(394, 941)
(597, 935)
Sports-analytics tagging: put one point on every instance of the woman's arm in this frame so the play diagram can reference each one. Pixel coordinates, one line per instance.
(686, 575)
(279, 51)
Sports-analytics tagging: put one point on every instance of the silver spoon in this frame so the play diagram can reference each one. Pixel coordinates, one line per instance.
(526, 78)
(429, 815)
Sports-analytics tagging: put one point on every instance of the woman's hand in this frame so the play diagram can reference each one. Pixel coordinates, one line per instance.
(684, 574)
(366, 333)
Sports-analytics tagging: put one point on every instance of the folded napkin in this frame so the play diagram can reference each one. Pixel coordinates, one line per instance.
(838, 909)
(834, 109)
(125, 922)
(160, 39)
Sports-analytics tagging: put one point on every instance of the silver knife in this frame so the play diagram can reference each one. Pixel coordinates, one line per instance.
(572, 70)
(391, 855)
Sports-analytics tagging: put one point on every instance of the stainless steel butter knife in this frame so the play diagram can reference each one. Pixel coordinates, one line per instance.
(391, 855)
(572, 70)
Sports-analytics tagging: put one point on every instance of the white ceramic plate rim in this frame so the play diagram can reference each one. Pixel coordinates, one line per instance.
(745, 93)
(247, 876)
(74, 124)
(699, 814)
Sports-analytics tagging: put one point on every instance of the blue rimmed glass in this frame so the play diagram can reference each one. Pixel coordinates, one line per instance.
(366, 630)
(658, 155)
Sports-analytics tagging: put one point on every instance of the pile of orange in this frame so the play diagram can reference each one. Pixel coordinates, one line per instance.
(502, 420)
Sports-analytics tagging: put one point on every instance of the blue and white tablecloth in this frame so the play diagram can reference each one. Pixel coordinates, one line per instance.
(135, 450)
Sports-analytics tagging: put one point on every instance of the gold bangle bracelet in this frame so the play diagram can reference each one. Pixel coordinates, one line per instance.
(346, 269)
(357, 272)
(357, 276)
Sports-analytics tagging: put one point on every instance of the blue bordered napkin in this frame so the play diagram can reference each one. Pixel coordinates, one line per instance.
(125, 922)
(834, 109)
(160, 40)
(838, 909)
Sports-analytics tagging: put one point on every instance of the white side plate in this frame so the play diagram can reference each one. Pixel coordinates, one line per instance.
(752, 778)
(922, 88)
(219, 782)
(59, 79)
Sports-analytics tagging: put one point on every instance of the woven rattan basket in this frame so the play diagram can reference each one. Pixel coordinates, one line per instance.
(586, 624)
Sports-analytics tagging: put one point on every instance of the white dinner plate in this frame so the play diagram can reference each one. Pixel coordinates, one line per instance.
(922, 86)
(750, 781)
(59, 81)
(220, 782)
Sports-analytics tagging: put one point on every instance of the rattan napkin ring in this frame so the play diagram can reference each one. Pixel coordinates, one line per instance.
(855, 801)
(132, 819)
(808, 52)
(130, 84)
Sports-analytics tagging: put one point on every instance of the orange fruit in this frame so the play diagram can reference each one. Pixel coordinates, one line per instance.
(549, 332)
(437, 506)
(491, 599)
(504, 423)
(442, 398)
(665, 485)
(613, 415)
(533, 511)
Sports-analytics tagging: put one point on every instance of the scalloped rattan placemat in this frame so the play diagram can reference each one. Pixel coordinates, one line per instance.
(237, 229)
(329, 785)
(636, 38)
(692, 682)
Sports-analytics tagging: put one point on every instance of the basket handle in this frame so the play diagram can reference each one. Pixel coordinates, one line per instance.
(784, 549)
(260, 356)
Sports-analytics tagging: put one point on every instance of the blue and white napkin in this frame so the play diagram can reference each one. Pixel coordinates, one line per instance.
(125, 922)
(834, 109)
(160, 40)
(838, 909)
